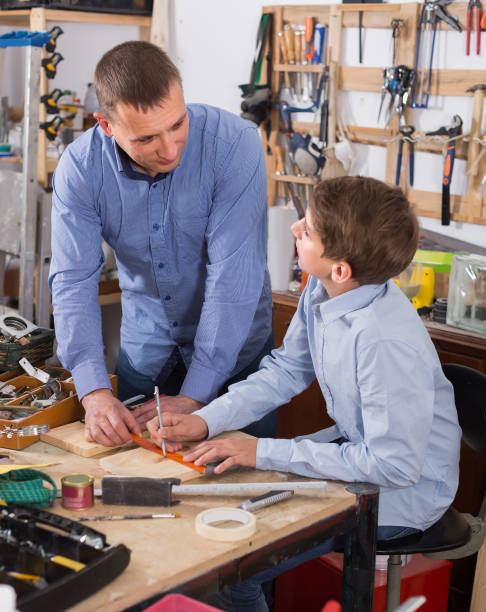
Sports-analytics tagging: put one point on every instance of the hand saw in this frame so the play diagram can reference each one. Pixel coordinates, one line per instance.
(174, 456)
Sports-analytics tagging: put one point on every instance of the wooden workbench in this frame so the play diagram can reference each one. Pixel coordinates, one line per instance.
(168, 554)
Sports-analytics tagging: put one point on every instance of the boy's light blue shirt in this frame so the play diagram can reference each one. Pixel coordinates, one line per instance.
(190, 249)
(384, 387)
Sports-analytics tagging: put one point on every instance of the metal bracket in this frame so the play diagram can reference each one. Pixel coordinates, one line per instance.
(33, 371)
(13, 325)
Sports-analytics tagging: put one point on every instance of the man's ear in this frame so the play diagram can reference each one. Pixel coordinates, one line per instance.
(341, 272)
(104, 122)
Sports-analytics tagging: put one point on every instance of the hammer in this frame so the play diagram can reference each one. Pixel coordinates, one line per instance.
(478, 92)
(139, 491)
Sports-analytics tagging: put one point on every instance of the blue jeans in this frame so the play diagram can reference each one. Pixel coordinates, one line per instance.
(249, 596)
(131, 383)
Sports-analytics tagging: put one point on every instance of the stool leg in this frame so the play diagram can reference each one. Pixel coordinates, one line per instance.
(393, 579)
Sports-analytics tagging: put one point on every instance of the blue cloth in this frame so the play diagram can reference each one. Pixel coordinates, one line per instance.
(384, 387)
(131, 383)
(190, 249)
(24, 38)
(248, 596)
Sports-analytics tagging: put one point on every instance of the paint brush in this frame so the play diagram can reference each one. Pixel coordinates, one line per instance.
(159, 412)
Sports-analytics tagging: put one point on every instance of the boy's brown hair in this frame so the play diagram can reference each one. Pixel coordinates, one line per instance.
(135, 73)
(367, 223)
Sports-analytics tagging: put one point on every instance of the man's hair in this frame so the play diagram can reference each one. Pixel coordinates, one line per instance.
(367, 223)
(135, 73)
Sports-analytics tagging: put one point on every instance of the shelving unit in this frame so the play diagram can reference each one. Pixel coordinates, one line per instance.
(41, 19)
(467, 208)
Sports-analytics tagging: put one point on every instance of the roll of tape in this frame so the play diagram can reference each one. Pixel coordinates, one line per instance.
(245, 529)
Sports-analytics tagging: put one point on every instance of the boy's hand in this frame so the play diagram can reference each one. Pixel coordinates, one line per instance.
(177, 428)
(234, 452)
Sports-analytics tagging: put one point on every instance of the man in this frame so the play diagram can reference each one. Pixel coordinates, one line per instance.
(179, 192)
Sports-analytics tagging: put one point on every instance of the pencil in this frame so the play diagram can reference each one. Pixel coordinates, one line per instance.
(159, 412)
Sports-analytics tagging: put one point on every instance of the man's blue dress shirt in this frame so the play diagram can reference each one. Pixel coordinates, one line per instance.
(384, 387)
(190, 248)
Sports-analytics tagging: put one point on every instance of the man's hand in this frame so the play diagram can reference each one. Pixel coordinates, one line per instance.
(177, 428)
(234, 452)
(180, 404)
(144, 413)
(108, 421)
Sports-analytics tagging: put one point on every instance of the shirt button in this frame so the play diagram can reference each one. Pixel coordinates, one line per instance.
(167, 297)
(156, 226)
(154, 186)
(161, 265)
(175, 324)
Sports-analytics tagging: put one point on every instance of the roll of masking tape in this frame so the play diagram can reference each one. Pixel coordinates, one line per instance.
(245, 528)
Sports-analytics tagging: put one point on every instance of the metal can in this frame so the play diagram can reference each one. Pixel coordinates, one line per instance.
(77, 491)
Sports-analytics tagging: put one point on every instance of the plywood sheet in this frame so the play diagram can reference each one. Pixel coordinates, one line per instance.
(70, 437)
(142, 462)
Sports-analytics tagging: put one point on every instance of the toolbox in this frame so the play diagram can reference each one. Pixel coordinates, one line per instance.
(132, 7)
(53, 562)
(64, 411)
(36, 346)
(308, 586)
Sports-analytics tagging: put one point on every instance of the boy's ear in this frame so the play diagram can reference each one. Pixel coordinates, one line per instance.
(341, 272)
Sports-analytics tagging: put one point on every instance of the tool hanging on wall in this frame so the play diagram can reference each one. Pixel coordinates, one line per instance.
(406, 132)
(257, 97)
(396, 25)
(473, 10)
(397, 83)
(452, 132)
(55, 32)
(51, 127)
(432, 12)
(50, 64)
(51, 99)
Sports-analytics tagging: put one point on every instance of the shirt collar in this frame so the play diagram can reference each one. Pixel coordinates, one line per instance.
(125, 165)
(335, 308)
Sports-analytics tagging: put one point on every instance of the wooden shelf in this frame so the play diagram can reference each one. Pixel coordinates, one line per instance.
(290, 178)
(299, 67)
(23, 17)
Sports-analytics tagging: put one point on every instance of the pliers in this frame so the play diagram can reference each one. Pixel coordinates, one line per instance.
(473, 6)
(406, 132)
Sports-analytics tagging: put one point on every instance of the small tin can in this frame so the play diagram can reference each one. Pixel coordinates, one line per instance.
(77, 491)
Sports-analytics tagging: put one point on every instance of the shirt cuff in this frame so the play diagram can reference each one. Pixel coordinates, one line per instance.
(273, 454)
(201, 383)
(90, 376)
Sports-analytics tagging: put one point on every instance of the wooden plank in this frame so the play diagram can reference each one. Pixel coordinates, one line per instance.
(474, 195)
(38, 24)
(160, 19)
(142, 462)
(444, 82)
(22, 17)
(478, 601)
(428, 204)
(71, 438)
(290, 178)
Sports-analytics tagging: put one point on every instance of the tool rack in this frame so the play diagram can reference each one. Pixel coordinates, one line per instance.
(468, 208)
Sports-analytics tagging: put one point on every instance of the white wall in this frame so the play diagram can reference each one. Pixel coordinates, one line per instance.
(212, 43)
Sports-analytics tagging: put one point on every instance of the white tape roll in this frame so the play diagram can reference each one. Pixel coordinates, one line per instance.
(245, 529)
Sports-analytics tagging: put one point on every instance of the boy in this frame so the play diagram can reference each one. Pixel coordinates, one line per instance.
(380, 375)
